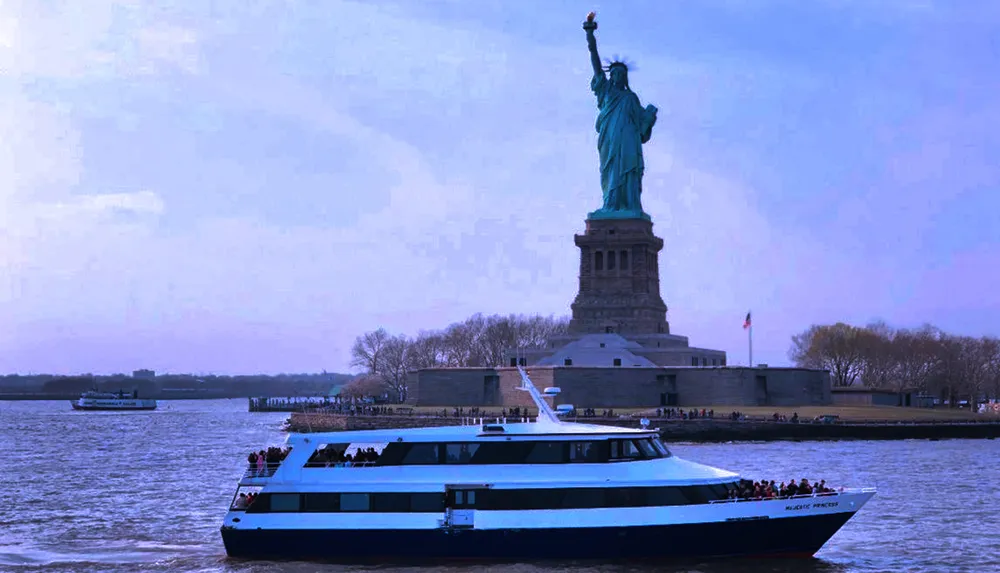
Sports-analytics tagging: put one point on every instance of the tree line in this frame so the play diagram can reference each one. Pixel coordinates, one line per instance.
(924, 359)
(482, 341)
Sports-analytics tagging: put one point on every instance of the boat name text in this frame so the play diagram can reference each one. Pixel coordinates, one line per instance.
(802, 506)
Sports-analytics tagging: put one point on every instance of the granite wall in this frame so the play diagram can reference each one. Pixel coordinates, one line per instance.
(624, 387)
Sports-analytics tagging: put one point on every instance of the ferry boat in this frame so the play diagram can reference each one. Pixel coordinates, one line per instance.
(95, 400)
(523, 490)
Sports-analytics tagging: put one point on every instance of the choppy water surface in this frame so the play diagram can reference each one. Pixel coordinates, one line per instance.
(135, 491)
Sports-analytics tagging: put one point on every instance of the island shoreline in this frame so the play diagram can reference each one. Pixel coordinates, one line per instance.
(698, 430)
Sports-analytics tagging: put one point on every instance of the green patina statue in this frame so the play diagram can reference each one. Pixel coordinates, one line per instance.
(623, 125)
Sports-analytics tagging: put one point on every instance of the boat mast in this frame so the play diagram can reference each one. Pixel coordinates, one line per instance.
(546, 415)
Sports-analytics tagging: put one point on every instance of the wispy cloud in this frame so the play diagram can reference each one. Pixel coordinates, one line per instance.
(234, 187)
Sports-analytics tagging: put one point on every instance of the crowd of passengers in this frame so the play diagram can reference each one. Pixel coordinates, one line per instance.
(244, 500)
(334, 458)
(265, 462)
(757, 490)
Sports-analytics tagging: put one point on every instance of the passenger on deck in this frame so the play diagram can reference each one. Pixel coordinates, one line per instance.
(252, 461)
(264, 462)
(241, 502)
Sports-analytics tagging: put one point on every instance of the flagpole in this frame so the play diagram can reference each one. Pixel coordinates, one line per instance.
(750, 334)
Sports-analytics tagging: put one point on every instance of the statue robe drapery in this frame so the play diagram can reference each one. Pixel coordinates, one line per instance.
(623, 125)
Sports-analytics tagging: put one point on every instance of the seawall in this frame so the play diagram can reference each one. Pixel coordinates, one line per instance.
(714, 430)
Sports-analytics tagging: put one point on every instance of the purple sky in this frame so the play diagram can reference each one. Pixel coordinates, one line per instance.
(208, 187)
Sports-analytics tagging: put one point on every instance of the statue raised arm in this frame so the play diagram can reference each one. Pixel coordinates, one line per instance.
(595, 60)
(623, 125)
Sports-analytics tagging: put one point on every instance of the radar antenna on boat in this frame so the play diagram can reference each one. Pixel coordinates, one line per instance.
(546, 415)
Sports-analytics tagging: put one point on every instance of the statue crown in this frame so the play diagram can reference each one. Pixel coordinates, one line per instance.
(618, 62)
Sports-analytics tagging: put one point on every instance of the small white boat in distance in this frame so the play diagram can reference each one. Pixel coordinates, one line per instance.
(94, 400)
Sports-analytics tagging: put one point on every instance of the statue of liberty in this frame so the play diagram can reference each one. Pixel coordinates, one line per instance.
(623, 125)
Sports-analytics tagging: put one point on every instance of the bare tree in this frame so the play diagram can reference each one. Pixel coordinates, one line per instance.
(427, 350)
(951, 367)
(476, 341)
(991, 348)
(366, 353)
(535, 331)
(977, 355)
(917, 354)
(834, 348)
(395, 365)
(879, 365)
(499, 335)
(364, 386)
(461, 342)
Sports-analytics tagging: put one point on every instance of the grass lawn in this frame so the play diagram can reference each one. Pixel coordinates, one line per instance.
(846, 413)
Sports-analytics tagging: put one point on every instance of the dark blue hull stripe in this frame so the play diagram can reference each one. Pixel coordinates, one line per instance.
(798, 536)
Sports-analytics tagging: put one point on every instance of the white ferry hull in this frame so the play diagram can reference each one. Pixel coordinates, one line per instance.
(126, 404)
(779, 528)
(544, 490)
(786, 537)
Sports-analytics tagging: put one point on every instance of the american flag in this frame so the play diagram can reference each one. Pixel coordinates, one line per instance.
(746, 322)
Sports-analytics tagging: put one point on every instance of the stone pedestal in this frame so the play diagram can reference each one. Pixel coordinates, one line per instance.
(619, 279)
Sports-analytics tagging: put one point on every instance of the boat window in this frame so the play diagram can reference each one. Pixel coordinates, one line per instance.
(719, 490)
(422, 454)
(491, 499)
(325, 454)
(660, 447)
(244, 496)
(460, 453)
(585, 452)
(521, 499)
(321, 502)
(626, 497)
(393, 454)
(697, 494)
(426, 502)
(646, 446)
(624, 450)
(660, 496)
(260, 504)
(502, 453)
(391, 502)
(584, 498)
(521, 452)
(284, 502)
(579, 498)
(355, 502)
(547, 453)
(395, 502)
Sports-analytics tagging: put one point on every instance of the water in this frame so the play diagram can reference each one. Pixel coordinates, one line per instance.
(146, 491)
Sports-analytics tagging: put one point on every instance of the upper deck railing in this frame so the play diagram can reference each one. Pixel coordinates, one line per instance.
(253, 472)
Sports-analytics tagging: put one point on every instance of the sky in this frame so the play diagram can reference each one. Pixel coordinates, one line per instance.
(245, 186)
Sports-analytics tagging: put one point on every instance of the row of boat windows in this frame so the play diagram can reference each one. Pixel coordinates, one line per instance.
(489, 499)
(520, 452)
